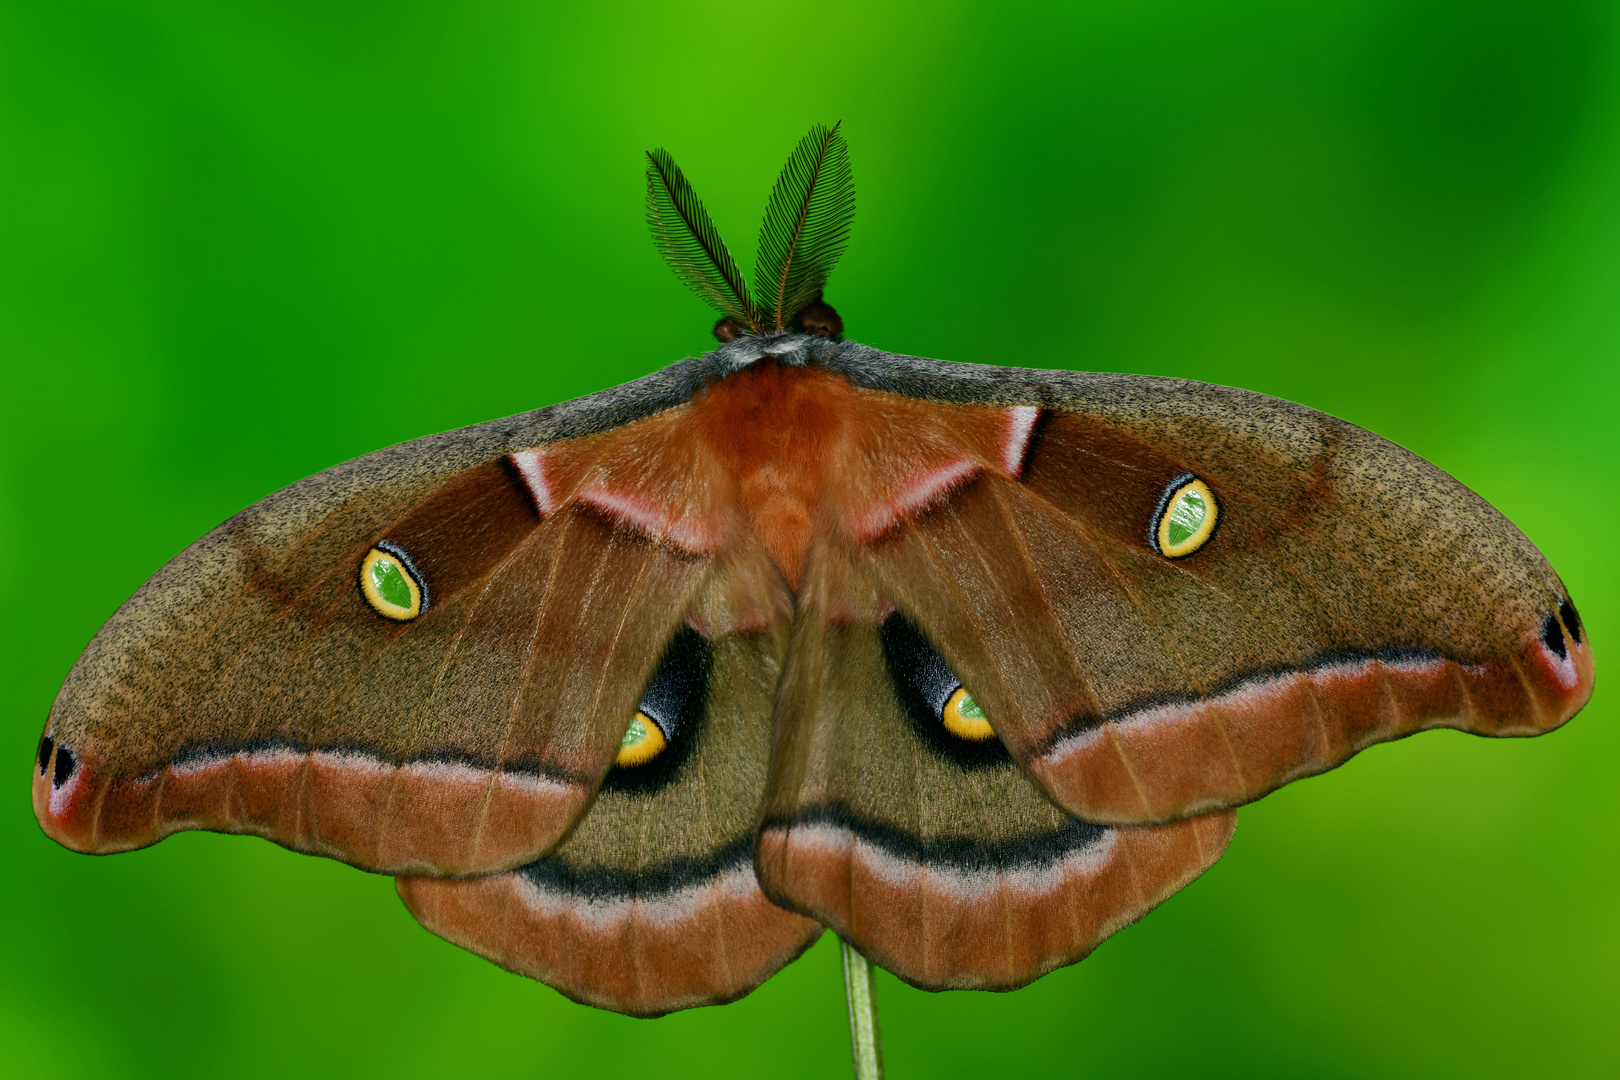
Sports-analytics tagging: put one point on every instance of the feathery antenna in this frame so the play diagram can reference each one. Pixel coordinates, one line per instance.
(806, 226)
(806, 229)
(687, 239)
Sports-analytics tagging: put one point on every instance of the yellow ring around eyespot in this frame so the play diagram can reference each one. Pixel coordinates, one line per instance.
(1200, 536)
(378, 560)
(971, 728)
(644, 749)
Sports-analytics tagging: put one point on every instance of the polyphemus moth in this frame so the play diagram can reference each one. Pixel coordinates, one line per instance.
(637, 693)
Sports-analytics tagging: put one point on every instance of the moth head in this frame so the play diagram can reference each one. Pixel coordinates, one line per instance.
(818, 318)
(805, 230)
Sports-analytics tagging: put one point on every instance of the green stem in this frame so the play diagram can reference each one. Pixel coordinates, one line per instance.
(859, 988)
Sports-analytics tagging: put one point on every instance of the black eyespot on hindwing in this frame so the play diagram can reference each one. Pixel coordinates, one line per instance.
(674, 701)
(1552, 636)
(674, 696)
(926, 685)
(1572, 621)
(44, 754)
(64, 766)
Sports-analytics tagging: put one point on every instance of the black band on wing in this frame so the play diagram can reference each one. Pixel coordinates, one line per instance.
(924, 683)
(1036, 850)
(588, 882)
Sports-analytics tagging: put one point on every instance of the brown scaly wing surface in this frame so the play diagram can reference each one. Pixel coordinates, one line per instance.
(1351, 592)
(249, 687)
(651, 903)
(937, 857)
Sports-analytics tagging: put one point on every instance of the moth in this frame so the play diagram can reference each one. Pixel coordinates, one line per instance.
(638, 693)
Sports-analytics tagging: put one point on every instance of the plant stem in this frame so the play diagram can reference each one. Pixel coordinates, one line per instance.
(859, 988)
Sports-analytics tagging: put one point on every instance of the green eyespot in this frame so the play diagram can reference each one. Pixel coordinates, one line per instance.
(1186, 518)
(390, 584)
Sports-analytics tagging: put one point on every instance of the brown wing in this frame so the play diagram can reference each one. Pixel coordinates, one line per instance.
(1014, 520)
(651, 903)
(1350, 593)
(251, 687)
(936, 856)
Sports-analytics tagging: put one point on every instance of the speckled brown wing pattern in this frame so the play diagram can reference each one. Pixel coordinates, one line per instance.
(249, 687)
(790, 503)
(1351, 594)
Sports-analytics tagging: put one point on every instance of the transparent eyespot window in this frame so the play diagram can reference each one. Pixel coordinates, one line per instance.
(390, 585)
(1187, 520)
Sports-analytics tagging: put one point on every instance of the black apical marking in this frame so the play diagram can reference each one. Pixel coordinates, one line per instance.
(1572, 621)
(924, 683)
(1552, 636)
(44, 754)
(64, 766)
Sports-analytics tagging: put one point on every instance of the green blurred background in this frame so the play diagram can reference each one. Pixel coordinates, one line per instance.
(242, 242)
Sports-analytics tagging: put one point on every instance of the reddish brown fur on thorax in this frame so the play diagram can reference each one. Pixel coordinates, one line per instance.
(769, 456)
(776, 430)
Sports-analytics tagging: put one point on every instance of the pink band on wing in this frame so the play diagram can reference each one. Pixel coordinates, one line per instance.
(650, 520)
(926, 488)
(531, 465)
(1015, 444)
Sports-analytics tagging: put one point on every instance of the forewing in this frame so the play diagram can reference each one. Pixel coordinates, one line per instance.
(249, 687)
(1350, 593)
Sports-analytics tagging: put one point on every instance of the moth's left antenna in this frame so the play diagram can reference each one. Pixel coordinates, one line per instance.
(806, 228)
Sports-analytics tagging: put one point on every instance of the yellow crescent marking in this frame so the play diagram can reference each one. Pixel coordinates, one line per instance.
(643, 741)
(964, 719)
(1188, 520)
(381, 576)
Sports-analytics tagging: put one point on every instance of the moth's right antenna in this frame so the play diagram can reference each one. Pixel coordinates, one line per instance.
(689, 242)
